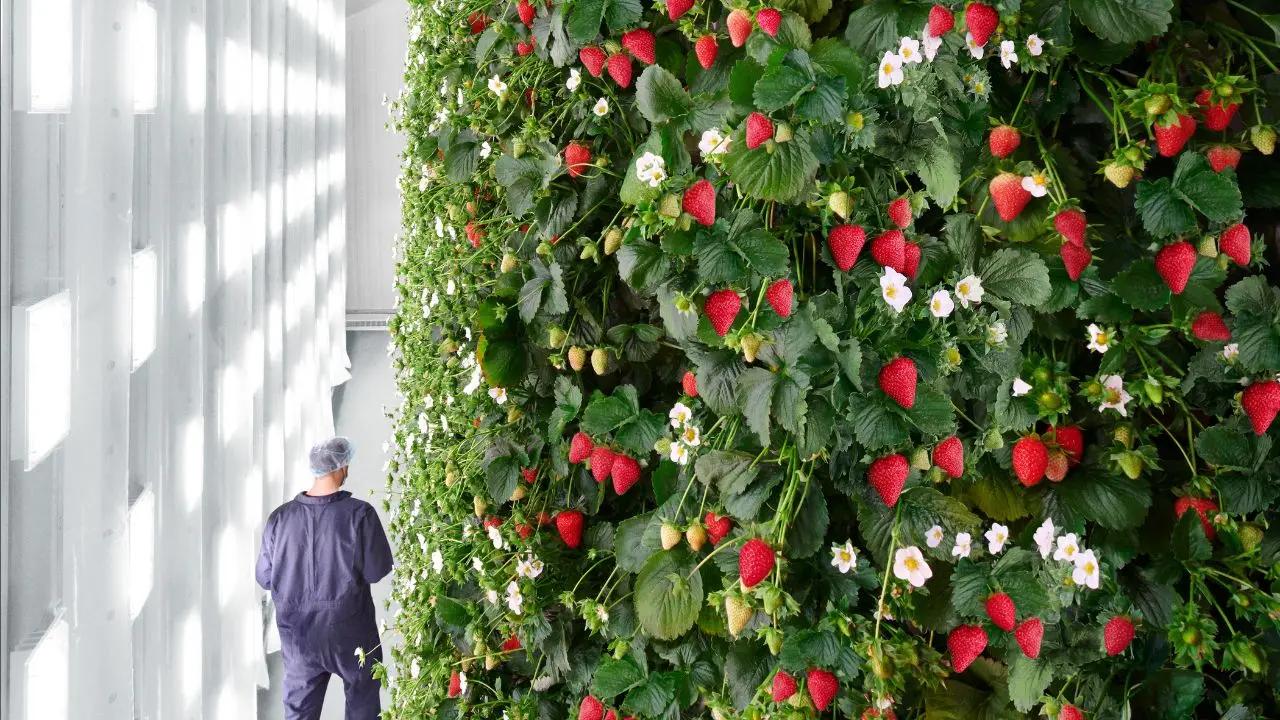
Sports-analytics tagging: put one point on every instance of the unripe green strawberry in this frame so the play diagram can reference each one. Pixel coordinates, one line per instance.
(750, 346)
(600, 361)
(518, 494)
(772, 600)
(1119, 175)
(612, 240)
(588, 251)
(508, 263)
(1123, 434)
(670, 536)
(1157, 105)
(479, 505)
(737, 614)
(577, 358)
(1250, 536)
(544, 249)
(1131, 464)
(556, 337)
(450, 475)
(840, 203)
(993, 440)
(1207, 247)
(855, 120)
(783, 133)
(1154, 390)
(920, 459)
(696, 536)
(773, 638)
(1263, 138)
(514, 413)
(518, 148)
(670, 206)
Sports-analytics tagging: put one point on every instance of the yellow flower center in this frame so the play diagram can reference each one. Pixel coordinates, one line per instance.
(911, 564)
(891, 292)
(887, 69)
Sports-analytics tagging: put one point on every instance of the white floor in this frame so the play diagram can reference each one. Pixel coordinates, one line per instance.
(358, 413)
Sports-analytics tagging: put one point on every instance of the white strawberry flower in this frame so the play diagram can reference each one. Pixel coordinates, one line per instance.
(515, 601)
(1230, 351)
(1008, 55)
(963, 546)
(602, 613)
(1020, 387)
(713, 142)
(933, 536)
(462, 682)
(495, 537)
(485, 150)
(890, 70)
(1036, 183)
(894, 290)
(498, 394)
(691, 436)
(974, 48)
(969, 290)
(476, 564)
(651, 169)
(575, 79)
(1044, 537)
(909, 50)
(679, 454)
(1035, 45)
(1068, 548)
(437, 561)
(941, 305)
(601, 108)
(931, 44)
(1099, 338)
(1114, 396)
(996, 537)
(528, 567)
(1086, 570)
(997, 333)
(679, 415)
(491, 596)
(497, 87)
(844, 557)
(909, 565)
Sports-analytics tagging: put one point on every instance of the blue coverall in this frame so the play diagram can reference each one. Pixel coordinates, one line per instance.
(319, 556)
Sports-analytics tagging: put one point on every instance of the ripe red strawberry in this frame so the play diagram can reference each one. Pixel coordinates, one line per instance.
(1209, 327)
(966, 643)
(1117, 634)
(722, 308)
(610, 715)
(620, 69)
(1171, 138)
(1008, 195)
(981, 20)
(1261, 402)
(706, 48)
(887, 475)
(1202, 506)
(455, 684)
(940, 21)
(524, 530)
(739, 23)
(1237, 243)
(1069, 439)
(1075, 258)
(718, 526)
(569, 525)
(910, 259)
(527, 12)
(1030, 460)
(593, 59)
(759, 129)
(1003, 140)
(511, 644)
(1070, 712)
(640, 42)
(784, 686)
(577, 158)
(478, 22)
(1001, 610)
(524, 47)
(1029, 635)
(898, 381)
(625, 473)
(1222, 157)
(900, 212)
(779, 294)
(677, 8)
(689, 383)
(1217, 116)
(530, 475)
(1071, 225)
(769, 20)
(700, 202)
(755, 562)
(580, 447)
(822, 687)
(949, 456)
(591, 709)
(1175, 262)
(845, 243)
(474, 234)
(602, 459)
(889, 249)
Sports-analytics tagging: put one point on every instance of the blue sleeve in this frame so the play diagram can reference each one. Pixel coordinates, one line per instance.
(263, 570)
(376, 560)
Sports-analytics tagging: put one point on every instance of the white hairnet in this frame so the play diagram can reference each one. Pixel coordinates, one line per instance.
(330, 455)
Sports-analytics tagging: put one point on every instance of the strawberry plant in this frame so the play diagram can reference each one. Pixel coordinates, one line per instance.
(886, 359)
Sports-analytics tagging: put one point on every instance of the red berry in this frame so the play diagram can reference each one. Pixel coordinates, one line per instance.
(940, 21)
(887, 475)
(779, 294)
(700, 202)
(1003, 140)
(1202, 506)
(755, 562)
(739, 24)
(602, 459)
(580, 447)
(822, 687)
(474, 234)
(620, 69)
(1171, 138)
(1071, 225)
(910, 259)
(1029, 635)
(530, 475)
(455, 684)
(1222, 157)
(769, 20)
(1175, 262)
(591, 709)
(981, 20)
(1001, 610)
(900, 212)
(966, 643)
(1069, 439)
(524, 47)
(889, 249)
(625, 473)
(784, 686)
(689, 383)
(1209, 327)
(706, 48)
(759, 129)
(949, 456)
(1261, 402)
(1075, 258)
(1008, 195)
(569, 525)
(640, 42)
(722, 308)
(1237, 243)
(526, 11)
(1030, 460)
(1070, 712)
(593, 59)
(718, 526)
(677, 8)
(478, 22)
(577, 158)
(1217, 116)
(511, 644)
(898, 381)
(845, 243)
(1117, 634)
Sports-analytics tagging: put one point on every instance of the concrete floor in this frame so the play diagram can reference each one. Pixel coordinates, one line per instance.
(358, 414)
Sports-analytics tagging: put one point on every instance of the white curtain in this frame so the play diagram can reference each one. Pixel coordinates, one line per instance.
(204, 139)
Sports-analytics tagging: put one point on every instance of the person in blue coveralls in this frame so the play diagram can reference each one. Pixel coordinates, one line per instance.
(320, 553)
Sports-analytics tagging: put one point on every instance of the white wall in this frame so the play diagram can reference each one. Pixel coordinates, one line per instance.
(377, 35)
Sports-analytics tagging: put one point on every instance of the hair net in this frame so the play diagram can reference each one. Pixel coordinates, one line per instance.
(330, 455)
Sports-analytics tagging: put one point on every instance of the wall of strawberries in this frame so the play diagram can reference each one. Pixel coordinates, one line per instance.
(864, 359)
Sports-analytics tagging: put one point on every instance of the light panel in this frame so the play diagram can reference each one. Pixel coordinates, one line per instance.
(44, 85)
(39, 675)
(146, 283)
(42, 377)
(146, 58)
(142, 550)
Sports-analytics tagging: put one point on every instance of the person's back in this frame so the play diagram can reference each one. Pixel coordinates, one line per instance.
(320, 553)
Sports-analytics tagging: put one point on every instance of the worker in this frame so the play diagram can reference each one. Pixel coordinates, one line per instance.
(320, 553)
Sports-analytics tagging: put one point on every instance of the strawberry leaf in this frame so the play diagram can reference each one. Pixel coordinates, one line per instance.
(660, 96)
(782, 174)
(1124, 21)
(1017, 276)
(668, 595)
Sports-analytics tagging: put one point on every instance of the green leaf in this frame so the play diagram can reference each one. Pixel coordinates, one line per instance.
(1214, 194)
(1140, 286)
(1252, 295)
(875, 426)
(755, 388)
(1017, 276)
(660, 97)
(1028, 679)
(642, 264)
(1258, 338)
(1112, 501)
(939, 168)
(630, 546)
(584, 20)
(780, 175)
(568, 401)
(873, 27)
(730, 471)
(614, 677)
(1232, 446)
(604, 414)
(622, 14)
(779, 87)
(1124, 21)
(745, 666)
(668, 595)
(1189, 542)
(809, 528)
(1164, 211)
(807, 648)
(964, 238)
(502, 472)
(932, 413)
(998, 498)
